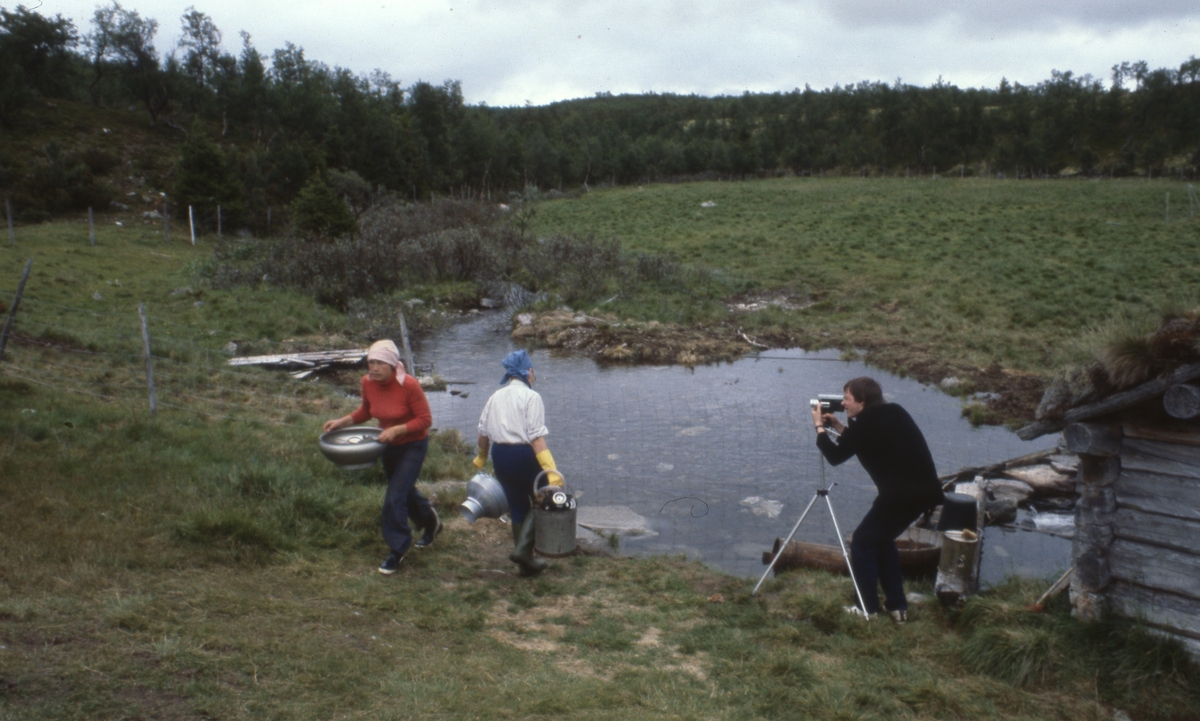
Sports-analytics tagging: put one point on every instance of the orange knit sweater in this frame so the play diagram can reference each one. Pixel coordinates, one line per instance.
(394, 403)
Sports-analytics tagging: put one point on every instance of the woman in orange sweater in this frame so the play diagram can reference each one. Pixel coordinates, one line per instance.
(397, 401)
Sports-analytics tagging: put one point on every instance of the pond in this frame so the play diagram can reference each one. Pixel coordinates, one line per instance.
(720, 460)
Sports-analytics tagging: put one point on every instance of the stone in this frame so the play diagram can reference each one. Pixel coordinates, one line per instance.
(1043, 478)
(1001, 510)
(607, 520)
(231, 348)
(490, 303)
(949, 384)
(1008, 488)
(1065, 463)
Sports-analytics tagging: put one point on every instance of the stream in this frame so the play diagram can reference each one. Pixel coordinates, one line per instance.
(721, 459)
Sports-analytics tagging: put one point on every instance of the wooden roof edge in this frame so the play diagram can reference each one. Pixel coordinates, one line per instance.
(1115, 402)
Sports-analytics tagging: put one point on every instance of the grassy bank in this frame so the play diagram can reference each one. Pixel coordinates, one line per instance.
(178, 568)
(977, 272)
(207, 562)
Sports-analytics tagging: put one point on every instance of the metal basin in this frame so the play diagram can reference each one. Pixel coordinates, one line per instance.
(352, 448)
(485, 498)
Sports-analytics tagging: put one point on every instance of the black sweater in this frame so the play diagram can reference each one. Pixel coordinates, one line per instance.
(892, 450)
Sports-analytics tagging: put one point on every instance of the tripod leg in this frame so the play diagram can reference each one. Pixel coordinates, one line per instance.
(785, 543)
(849, 566)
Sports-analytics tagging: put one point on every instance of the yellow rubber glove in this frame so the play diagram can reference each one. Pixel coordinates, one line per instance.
(480, 460)
(547, 462)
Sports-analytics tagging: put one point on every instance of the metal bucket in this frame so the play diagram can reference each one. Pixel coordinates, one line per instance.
(554, 523)
(485, 498)
(958, 513)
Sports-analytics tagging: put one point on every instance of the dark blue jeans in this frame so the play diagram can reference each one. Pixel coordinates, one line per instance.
(874, 554)
(402, 465)
(516, 466)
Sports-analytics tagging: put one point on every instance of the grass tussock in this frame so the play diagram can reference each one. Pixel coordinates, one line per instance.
(1006, 641)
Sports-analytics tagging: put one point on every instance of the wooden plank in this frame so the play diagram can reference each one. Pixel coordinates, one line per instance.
(1163, 610)
(1178, 433)
(1154, 567)
(1159, 457)
(967, 473)
(1115, 402)
(1157, 493)
(1181, 534)
(303, 360)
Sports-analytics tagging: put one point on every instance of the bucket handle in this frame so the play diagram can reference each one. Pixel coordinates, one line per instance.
(544, 474)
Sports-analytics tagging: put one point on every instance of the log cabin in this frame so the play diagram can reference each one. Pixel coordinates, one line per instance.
(1137, 539)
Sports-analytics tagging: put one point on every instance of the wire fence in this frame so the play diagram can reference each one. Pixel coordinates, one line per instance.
(101, 353)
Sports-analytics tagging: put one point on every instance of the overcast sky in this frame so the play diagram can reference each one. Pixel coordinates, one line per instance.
(509, 52)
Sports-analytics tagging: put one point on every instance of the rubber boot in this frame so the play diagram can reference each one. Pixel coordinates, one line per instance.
(522, 555)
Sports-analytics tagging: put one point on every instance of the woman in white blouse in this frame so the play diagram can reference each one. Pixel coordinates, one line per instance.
(513, 426)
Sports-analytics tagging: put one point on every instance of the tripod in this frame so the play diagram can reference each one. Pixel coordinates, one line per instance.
(821, 492)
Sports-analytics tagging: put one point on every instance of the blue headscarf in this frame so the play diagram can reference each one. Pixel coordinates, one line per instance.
(517, 365)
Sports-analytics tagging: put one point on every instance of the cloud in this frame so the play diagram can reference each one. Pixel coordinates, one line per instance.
(508, 51)
(1007, 17)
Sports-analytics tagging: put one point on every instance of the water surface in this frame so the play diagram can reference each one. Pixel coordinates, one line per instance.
(720, 459)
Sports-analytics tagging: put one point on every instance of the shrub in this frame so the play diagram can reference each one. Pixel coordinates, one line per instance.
(317, 211)
(204, 179)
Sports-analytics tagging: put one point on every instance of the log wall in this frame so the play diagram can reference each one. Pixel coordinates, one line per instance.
(1137, 540)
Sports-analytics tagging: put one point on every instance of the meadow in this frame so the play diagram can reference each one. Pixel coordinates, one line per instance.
(1025, 275)
(206, 562)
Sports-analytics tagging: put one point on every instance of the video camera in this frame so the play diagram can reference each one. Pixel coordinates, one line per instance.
(828, 402)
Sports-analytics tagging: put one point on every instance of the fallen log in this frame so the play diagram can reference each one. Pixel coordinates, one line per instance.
(919, 549)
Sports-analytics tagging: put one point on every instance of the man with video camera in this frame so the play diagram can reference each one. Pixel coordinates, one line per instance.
(894, 453)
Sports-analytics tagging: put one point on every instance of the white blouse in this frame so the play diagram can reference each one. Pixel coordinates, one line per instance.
(514, 414)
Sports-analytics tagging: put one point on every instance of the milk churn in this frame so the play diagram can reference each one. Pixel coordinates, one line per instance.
(554, 520)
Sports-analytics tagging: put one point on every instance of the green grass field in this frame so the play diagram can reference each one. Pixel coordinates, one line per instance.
(206, 562)
(976, 271)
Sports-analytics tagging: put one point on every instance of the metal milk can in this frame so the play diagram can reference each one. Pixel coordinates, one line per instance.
(554, 520)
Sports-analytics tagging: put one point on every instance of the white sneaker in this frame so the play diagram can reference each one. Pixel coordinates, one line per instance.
(899, 616)
(856, 611)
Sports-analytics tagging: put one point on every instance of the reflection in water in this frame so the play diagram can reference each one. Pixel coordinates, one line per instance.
(721, 459)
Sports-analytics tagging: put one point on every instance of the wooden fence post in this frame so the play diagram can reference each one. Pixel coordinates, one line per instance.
(91, 226)
(13, 310)
(149, 364)
(12, 238)
(408, 361)
(192, 224)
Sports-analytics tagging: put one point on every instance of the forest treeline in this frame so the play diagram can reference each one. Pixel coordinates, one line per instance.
(268, 123)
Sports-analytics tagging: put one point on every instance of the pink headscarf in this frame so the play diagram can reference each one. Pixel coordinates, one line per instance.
(386, 351)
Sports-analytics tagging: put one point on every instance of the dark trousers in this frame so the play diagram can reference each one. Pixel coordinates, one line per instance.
(874, 555)
(516, 468)
(402, 464)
